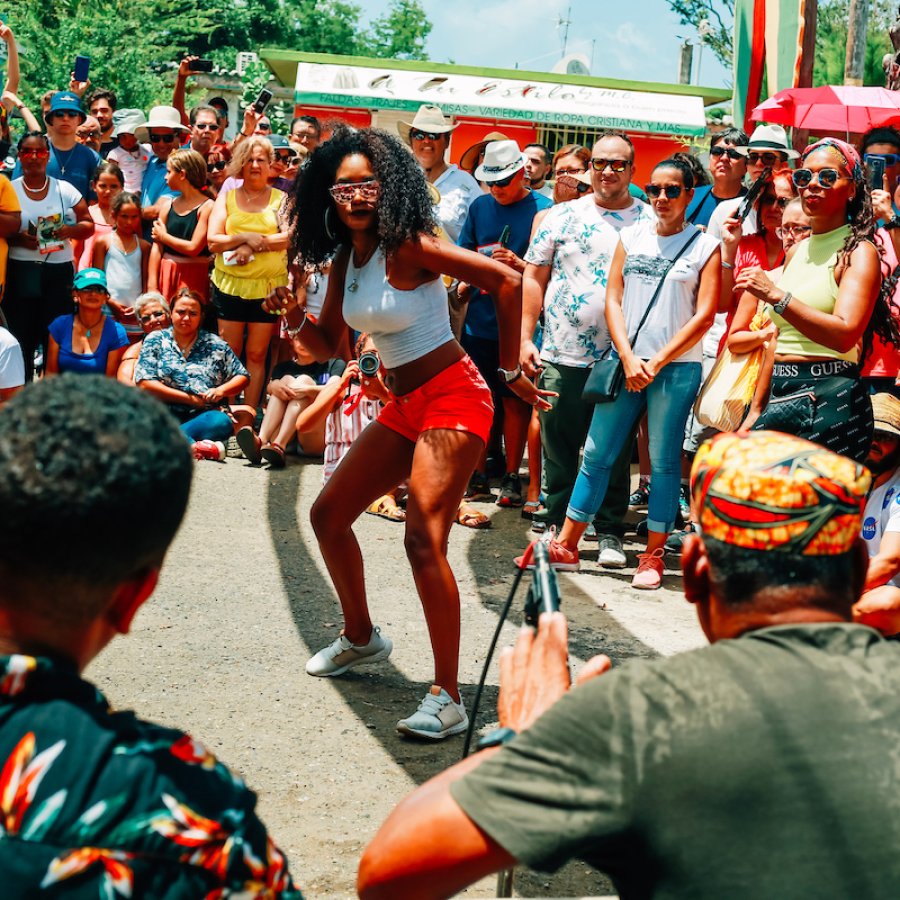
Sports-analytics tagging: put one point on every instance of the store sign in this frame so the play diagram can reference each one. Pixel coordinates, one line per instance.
(539, 102)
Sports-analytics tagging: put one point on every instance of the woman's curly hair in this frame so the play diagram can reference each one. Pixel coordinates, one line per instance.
(863, 227)
(405, 207)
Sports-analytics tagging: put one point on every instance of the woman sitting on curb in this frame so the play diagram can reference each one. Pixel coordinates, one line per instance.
(295, 385)
(194, 373)
(152, 311)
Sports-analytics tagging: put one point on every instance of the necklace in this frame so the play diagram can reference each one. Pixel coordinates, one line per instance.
(256, 196)
(88, 330)
(186, 351)
(353, 287)
(62, 163)
(43, 187)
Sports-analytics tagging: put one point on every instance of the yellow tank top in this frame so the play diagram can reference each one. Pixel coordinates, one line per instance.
(268, 270)
(809, 276)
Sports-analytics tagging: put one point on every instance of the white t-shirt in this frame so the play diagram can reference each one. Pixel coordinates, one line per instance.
(61, 200)
(881, 516)
(12, 364)
(648, 254)
(133, 164)
(578, 240)
(458, 191)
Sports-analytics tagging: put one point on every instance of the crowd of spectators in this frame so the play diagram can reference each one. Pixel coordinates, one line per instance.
(248, 285)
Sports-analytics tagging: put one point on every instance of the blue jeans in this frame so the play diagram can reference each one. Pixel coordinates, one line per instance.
(210, 425)
(668, 400)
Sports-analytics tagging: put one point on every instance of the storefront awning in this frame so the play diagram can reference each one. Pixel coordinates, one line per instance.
(343, 83)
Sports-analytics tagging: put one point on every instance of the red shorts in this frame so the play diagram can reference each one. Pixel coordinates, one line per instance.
(456, 399)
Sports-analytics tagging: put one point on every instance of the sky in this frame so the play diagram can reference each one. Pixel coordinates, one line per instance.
(637, 40)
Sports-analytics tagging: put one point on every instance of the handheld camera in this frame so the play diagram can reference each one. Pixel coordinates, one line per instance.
(369, 363)
(751, 196)
(543, 595)
(202, 65)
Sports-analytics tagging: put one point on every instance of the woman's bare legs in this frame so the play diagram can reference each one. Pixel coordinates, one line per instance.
(259, 336)
(441, 466)
(233, 334)
(378, 460)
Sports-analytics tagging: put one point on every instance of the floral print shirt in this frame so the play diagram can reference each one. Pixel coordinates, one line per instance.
(577, 240)
(98, 804)
(210, 363)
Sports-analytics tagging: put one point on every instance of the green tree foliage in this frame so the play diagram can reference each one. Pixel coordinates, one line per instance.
(831, 41)
(135, 44)
(714, 21)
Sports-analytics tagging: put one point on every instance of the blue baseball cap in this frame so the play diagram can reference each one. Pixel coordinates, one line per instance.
(88, 278)
(64, 101)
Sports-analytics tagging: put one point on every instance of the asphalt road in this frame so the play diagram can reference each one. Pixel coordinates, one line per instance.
(245, 599)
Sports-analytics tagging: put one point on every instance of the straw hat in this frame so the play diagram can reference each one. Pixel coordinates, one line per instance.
(469, 160)
(429, 118)
(886, 411)
(160, 117)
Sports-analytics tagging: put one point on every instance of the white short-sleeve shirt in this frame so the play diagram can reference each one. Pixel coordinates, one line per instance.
(577, 240)
(881, 516)
(648, 255)
(458, 191)
(12, 363)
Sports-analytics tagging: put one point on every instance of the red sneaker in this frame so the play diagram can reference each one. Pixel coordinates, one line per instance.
(561, 558)
(649, 574)
(209, 450)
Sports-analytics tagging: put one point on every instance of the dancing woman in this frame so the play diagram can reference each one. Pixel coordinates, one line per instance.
(363, 196)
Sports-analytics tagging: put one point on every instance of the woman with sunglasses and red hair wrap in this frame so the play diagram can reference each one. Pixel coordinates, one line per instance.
(363, 197)
(826, 307)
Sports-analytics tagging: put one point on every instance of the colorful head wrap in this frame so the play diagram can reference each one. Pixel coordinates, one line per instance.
(847, 152)
(771, 491)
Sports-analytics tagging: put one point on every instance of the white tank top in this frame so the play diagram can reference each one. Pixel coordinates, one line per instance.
(404, 325)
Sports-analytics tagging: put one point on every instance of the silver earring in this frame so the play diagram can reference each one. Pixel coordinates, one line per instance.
(328, 229)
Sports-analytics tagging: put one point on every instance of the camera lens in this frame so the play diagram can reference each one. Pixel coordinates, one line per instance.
(369, 364)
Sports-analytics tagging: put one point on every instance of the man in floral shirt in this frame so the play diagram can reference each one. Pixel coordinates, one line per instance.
(565, 276)
(94, 802)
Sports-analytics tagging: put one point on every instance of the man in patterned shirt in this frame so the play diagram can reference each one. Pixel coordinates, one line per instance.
(565, 276)
(94, 481)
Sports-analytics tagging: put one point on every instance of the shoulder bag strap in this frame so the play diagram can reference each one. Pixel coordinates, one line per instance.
(659, 285)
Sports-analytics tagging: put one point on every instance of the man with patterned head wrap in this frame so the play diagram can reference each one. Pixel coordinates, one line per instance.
(760, 766)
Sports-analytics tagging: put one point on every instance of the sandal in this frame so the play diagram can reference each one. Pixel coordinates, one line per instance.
(472, 518)
(250, 444)
(273, 454)
(530, 507)
(386, 507)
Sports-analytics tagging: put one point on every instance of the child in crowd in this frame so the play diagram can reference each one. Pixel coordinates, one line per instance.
(124, 255)
(180, 255)
(295, 385)
(107, 182)
(131, 156)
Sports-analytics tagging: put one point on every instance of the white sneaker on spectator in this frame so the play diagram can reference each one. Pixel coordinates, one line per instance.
(341, 655)
(436, 718)
(612, 556)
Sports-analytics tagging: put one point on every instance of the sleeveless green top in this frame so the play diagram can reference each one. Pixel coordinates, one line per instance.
(809, 276)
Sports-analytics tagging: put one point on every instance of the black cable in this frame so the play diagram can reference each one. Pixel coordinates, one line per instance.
(505, 612)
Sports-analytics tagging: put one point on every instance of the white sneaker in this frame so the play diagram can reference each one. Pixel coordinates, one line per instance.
(436, 718)
(612, 556)
(341, 655)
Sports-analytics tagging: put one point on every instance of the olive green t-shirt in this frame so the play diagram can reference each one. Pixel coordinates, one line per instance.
(765, 766)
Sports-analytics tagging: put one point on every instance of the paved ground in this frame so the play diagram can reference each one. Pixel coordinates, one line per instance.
(245, 598)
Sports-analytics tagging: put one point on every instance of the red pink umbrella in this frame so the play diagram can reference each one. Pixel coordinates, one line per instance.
(833, 108)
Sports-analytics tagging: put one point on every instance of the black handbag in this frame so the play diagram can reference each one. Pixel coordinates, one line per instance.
(607, 374)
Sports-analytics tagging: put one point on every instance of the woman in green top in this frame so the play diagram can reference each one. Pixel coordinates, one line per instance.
(826, 306)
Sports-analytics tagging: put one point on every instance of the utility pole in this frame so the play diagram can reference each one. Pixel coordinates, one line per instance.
(857, 21)
(810, 13)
